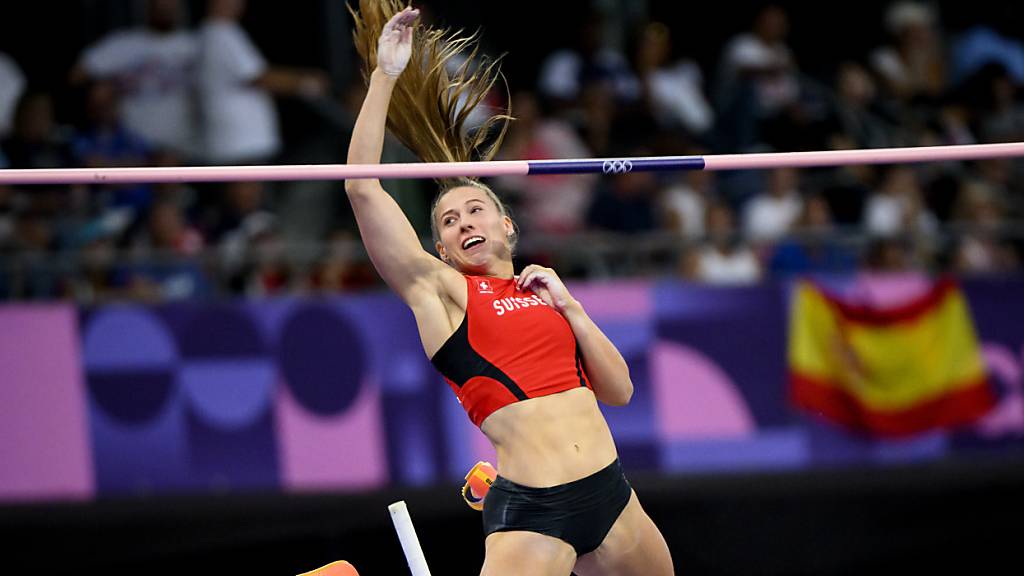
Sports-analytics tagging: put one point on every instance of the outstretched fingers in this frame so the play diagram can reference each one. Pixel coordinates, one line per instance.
(402, 20)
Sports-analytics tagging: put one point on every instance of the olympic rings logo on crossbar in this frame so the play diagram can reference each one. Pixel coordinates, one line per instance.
(617, 166)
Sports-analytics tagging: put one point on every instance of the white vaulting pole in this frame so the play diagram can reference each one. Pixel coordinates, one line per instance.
(407, 536)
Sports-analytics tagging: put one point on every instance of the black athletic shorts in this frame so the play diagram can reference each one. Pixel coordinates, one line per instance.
(580, 512)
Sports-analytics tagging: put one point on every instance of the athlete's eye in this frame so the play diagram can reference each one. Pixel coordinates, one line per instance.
(475, 209)
(448, 221)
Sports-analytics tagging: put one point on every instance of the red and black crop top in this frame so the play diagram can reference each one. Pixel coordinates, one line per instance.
(511, 346)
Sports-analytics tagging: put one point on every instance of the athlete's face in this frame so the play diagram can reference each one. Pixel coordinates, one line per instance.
(474, 233)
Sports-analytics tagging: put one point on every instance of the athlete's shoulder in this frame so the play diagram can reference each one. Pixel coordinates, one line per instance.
(453, 284)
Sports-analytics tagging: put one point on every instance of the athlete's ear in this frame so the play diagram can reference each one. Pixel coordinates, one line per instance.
(510, 228)
(441, 251)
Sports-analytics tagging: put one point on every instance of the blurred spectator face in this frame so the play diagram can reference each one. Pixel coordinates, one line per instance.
(33, 231)
(978, 205)
(166, 159)
(855, 85)
(102, 103)
(997, 171)
(33, 121)
(166, 225)
(655, 46)
(99, 254)
(163, 15)
(592, 34)
(598, 101)
(700, 181)
(226, 9)
(721, 225)
(772, 25)
(911, 22)
(783, 181)
(900, 180)
(817, 214)
(245, 197)
(1004, 92)
(525, 108)
(634, 184)
(917, 35)
(914, 26)
(887, 256)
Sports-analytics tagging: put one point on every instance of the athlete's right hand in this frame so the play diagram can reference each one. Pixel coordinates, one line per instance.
(394, 47)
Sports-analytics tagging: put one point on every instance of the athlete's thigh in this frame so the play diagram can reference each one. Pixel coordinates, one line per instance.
(633, 547)
(527, 553)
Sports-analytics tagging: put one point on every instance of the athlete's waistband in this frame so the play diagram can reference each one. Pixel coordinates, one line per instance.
(595, 480)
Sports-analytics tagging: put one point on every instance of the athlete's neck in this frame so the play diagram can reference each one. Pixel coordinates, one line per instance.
(503, 270)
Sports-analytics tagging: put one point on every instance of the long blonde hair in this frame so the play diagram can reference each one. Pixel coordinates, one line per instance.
(430, 104)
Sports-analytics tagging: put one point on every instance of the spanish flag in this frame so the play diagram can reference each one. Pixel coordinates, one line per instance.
(887, 372)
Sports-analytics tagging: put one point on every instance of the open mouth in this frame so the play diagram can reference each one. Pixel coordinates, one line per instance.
(472, 241)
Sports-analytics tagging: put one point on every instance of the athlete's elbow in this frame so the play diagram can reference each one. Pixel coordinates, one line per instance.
(627, 392)
(354, 187)
(620, 395)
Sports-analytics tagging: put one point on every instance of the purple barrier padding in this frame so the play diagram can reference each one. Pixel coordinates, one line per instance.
(483, 450)
(127, 337)
(695, 398)
(777, 449)
(336, 393)
(830, 444)
(609, 301)
(625, 312)
(45, 450)
(1006, 369)
(998, 308)
(142, 458)
(136, 411)
(321, 453)
(231, 393)
(466, 444)
(741, 330)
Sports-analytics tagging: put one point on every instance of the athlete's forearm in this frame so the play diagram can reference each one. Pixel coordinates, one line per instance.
(605, 366)
(367, 142)
(390, 240)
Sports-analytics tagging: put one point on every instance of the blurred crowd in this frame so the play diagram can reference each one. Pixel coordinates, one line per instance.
(162, 94)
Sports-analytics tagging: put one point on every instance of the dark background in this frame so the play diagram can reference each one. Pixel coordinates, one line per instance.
(930, 518)
(949, 518)
(45, 36)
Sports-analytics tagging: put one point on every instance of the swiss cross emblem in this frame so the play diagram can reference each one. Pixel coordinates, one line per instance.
(484, 287)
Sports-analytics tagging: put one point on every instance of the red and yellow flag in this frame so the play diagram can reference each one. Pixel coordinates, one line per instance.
(888, 372)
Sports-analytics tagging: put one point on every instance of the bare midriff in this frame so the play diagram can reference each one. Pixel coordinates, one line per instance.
(550, 440)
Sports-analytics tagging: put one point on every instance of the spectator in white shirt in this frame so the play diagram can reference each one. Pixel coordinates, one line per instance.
(770, 215)
(550, 204)
(236, 85)
(564, 73)
(725, 259)
(763, 57)
(153, 68)
(914, 64)
(898, 206)
(674, 90)
(686, 203)
(12, 85)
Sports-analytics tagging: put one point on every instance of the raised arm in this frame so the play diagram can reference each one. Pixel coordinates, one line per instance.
(390, 239)
(604, 364)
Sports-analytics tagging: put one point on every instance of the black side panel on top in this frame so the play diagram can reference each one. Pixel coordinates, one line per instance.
(459, 362)
(579, 365)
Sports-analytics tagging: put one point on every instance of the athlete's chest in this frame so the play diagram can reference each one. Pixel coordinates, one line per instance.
(500, 306)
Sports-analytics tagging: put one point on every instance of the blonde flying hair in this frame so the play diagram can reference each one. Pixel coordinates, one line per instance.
(430, 104)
